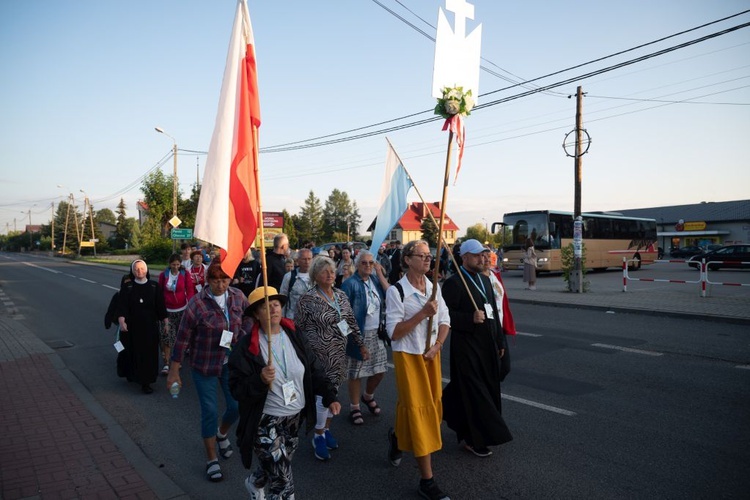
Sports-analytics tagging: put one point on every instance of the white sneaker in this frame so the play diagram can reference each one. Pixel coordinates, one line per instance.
(255, 492)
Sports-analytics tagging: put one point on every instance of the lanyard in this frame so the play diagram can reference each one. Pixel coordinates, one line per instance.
(283, 355)
(481, 290)
(333, 303)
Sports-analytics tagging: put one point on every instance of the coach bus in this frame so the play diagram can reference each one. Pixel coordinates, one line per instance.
(607, 238)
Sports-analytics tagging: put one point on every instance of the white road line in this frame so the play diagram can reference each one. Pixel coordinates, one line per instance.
(525, 334)
(71, 275)
(628, 349)
(528, 402)
(111, 288)
(87, 281)
(42, 268)
(541, 406)
(743, 367)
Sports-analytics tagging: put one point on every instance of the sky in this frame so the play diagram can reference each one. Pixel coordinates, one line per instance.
(85, 82)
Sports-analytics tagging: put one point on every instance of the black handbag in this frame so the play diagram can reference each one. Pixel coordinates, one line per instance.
(383, 334)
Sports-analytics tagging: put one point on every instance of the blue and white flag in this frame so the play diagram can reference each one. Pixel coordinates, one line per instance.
(393, 205)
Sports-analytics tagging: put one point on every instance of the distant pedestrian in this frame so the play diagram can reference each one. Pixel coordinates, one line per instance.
(297, 282)
(529, 264)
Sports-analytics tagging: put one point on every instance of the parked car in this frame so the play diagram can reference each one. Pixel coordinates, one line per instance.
(730, 256)
(356, 245)
(684, 252)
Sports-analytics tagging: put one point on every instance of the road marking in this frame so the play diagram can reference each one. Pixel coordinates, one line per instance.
(529, 334)
(111, 287)
(87, 281)
(628, 349)
(71, 275)
(743, 367)
(42, 268)
(528, 402)
(541, 406)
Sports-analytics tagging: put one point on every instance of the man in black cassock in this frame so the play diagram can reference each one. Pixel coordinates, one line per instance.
(471, 401)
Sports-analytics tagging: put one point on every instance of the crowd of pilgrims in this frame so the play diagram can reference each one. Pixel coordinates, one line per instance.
(314, 343)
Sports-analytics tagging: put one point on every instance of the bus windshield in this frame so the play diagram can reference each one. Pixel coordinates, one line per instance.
(529, 225)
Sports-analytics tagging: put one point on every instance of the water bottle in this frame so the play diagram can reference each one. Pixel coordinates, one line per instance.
(174, 390)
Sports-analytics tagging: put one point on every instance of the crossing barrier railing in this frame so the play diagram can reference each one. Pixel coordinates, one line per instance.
(702, 280)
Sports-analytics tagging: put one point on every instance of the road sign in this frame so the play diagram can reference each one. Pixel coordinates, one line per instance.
(182, 234)
(175, 221)
(87, 244)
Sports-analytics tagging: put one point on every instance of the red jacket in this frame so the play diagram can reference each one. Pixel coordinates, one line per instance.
(178, 298)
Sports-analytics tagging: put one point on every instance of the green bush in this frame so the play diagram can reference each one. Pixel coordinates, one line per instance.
(157, 251)
(567, 259)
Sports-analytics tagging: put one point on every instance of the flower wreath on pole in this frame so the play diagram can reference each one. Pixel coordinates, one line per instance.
(454, 105)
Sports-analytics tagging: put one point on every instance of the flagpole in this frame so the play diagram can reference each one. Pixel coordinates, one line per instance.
(436, 271)
(262, 242)
(432, 218)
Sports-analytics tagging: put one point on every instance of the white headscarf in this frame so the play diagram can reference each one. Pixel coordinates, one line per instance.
(132, 271)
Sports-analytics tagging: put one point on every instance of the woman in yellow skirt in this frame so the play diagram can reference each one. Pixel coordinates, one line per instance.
(419, 408)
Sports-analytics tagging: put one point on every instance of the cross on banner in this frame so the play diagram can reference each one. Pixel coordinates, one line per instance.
(457, 56)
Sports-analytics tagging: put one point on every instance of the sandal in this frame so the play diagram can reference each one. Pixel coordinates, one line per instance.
(213, 471)
(355, 417)
(372, 405)
(225, 446)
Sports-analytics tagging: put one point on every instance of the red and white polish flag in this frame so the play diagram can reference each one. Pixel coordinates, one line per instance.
(228, 213)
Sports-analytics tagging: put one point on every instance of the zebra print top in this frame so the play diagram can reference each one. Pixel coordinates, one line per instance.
(317, 320)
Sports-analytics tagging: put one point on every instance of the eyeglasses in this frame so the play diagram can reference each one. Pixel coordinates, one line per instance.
(423, 256)
(367, 263)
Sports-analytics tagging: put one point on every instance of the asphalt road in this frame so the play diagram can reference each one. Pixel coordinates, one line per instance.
(600, 405)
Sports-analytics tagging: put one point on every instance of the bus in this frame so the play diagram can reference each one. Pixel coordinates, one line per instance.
(607, 238)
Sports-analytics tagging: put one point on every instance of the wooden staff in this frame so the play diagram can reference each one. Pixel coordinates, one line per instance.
(262, 241)
(436, 271)
(432, 218)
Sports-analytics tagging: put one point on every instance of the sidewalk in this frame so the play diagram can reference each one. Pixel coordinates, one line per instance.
(59, 442)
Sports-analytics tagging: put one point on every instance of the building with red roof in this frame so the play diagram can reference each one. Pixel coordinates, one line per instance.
(409, 226)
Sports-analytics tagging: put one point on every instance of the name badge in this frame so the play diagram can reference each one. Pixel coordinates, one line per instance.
(119, 347)
(198, 288)
(488, 312)
(226, 339)
(372, 309)
(289, 392)
(344, 327)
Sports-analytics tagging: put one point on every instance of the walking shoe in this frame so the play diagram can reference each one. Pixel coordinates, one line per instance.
(482, 451)
(165, 370)
(394, 454)
(319, 445)
(225, 446)
(255, 492)
(331, 442)
(429, 489)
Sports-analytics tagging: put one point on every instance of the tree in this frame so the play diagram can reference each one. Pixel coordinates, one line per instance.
(477, 232)
(310, 219)
(355, 221)
(338, 214)
(289, 229)
(157, 193)
(429, 232)
(122, 228)
(105, 215)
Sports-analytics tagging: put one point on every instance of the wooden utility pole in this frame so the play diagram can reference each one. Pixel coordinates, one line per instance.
(577, 265)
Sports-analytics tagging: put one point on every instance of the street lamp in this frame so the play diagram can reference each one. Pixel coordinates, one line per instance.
(174, 173)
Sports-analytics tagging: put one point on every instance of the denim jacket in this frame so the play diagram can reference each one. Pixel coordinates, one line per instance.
(355, 290)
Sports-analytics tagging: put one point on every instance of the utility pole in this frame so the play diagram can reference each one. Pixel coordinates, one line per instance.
(581, 148)
(52, 206)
